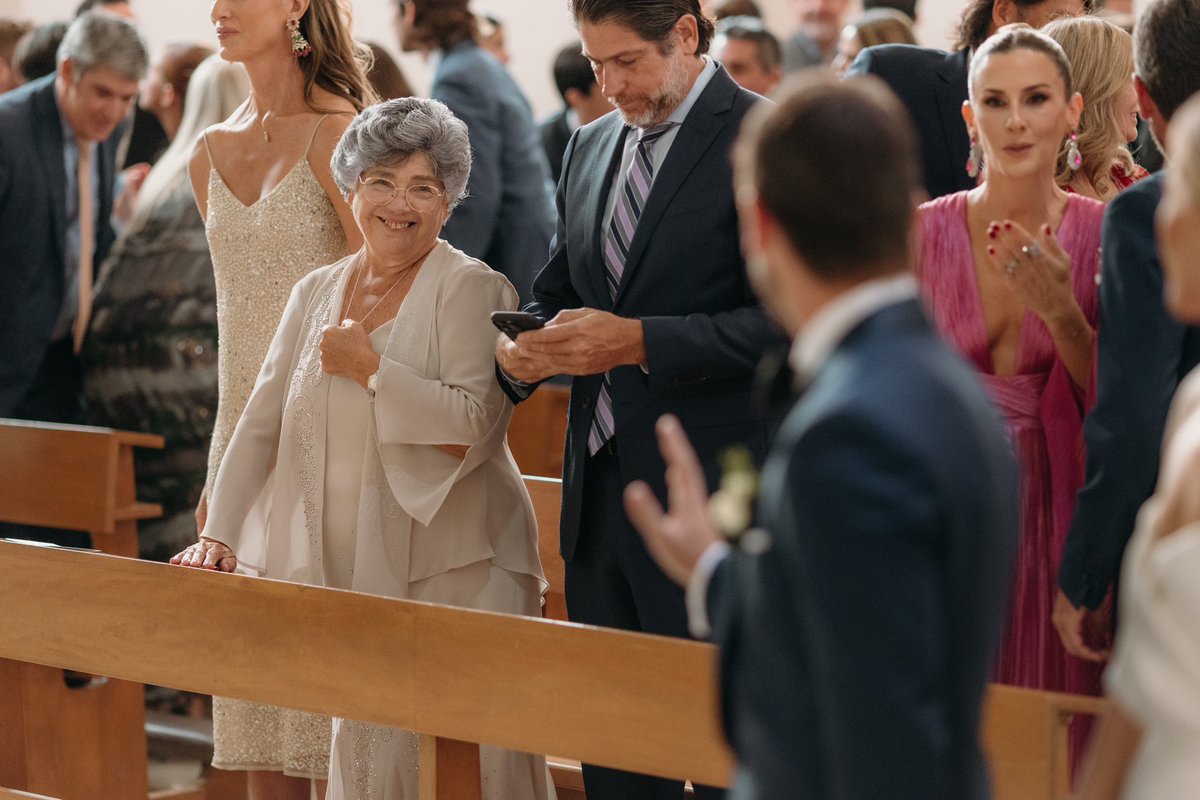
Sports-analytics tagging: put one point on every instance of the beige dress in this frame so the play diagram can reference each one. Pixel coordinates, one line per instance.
(327, 485)
(259, 252)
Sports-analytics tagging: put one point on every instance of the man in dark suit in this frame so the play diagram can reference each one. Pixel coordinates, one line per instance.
(1143, 353)
(647, 305)
(857, 625)
(932, 84)
(507, 218)
(583, 103)
(48, 128)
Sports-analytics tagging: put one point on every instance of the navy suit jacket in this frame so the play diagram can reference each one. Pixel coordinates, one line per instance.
(33, 229)
(684, 279)
(932, 85)
(855, 651)
(1143, 354)
(507, 218)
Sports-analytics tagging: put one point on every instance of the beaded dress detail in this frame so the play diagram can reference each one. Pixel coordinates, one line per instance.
(259, 251)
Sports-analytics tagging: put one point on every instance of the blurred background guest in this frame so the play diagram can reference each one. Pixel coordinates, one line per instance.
(163, 90)
(385, 75)
(815, 41)
(1101, 56)
(583, 102)
(273, 213)
(36, 54)
(507, 218)
(906, 7)
(11, 32)
(490, 34)
(750, 53)
(877, 26)
(734, 8)
(1147, 743)
(150, 363)
(1009, 271)
(118, 8)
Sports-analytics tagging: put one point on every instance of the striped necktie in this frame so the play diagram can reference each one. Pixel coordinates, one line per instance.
(627, 209)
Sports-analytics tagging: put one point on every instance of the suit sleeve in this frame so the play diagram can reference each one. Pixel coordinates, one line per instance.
(472, 225)
(1139, 352)
(862, 64)
(702, 347)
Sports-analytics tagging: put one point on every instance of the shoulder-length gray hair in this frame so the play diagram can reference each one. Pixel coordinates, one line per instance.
(389, 133)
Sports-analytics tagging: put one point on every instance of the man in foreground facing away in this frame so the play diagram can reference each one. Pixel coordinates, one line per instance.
(857, 626)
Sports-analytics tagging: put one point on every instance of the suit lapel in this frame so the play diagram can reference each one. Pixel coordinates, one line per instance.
(950, 90)
(608, 157)
(49, 144)
(702, 125)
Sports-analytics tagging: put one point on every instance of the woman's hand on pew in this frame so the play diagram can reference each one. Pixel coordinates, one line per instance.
(207, 554)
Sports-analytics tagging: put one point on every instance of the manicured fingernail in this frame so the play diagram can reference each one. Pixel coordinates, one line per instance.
(991, 250)
(1008, 226)
(992, 233)
(1046, 229)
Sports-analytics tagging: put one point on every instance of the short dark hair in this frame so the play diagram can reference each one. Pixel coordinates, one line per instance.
(88, 5)
(653, 20)
(1164, 52)
(751, 29)
(976, 20)
(37, 52)
(835, 163)
(443, 23)
(572, 70)
(11, 32)
(906, 7)
(736, 8)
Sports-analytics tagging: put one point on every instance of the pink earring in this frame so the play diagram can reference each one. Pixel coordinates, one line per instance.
(974, 159)
(300, 45)
(1074, 157)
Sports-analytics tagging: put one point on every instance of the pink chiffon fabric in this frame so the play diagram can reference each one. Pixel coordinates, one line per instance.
(1044, 410)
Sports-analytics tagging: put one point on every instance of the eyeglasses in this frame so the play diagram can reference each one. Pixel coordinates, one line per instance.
(421, 197)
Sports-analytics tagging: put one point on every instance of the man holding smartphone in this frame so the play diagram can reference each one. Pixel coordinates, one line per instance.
(647, 305)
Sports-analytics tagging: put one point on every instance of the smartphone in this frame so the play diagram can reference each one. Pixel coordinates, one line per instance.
(511, 323)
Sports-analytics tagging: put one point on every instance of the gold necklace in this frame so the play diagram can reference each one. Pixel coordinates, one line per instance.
(354, 291)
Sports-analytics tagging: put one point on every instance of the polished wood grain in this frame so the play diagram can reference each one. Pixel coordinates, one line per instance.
(546, 494)
(539, 429)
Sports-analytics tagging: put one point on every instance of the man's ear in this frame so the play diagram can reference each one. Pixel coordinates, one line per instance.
(1004, 12)
(1146, 105)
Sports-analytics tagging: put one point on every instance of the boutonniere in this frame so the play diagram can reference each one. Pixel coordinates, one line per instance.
(731, 507)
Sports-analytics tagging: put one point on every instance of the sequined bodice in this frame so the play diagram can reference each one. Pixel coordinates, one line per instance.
(259, 251)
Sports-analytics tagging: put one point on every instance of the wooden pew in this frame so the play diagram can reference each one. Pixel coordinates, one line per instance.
(539, 429)
(56, 739)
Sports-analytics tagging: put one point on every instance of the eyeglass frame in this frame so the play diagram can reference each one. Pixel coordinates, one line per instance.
(396, 190)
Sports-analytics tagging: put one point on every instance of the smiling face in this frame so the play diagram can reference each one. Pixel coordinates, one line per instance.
(396, 234)
(95, 102)
(644, 84)
(247, 28)
(1020, 113)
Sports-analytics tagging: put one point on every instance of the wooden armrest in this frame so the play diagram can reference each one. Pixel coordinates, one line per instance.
(137, 511)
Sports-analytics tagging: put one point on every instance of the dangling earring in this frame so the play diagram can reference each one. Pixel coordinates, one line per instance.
(1074, 157)
(300, 45)
(975, 159)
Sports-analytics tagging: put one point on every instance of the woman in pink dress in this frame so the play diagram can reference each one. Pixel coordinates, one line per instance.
(1009, 270)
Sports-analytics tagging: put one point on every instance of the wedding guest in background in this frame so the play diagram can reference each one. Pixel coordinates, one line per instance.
(379, 404)
(815, 42)
(750, 53)
(932, 83)
(734, 8)
(583, 103)
(857, 624)
(507, 218)
(162, 92)
(1101, 56)
(492, 36)
(906, 7)
(273, 213)
(1143, 352)
(1147, 743)
(875, 27)
(385, 75)
(150, 362)
(37, 53)
(1009, 272)
(11, 32)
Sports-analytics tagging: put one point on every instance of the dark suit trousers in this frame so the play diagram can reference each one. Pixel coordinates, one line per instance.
(54, 396)
(612, 581)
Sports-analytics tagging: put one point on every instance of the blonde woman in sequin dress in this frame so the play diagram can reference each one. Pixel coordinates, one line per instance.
(373, 454)
(273, 214)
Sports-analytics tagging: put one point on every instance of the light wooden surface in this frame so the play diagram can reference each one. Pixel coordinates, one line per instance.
(449, 769)
(539, 429)
(547, 505)
(12, 794)
(618, 699)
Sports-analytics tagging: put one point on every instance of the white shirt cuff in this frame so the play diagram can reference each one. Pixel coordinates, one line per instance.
(696, 595)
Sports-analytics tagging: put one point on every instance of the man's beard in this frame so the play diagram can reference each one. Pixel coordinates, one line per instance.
(659, 106)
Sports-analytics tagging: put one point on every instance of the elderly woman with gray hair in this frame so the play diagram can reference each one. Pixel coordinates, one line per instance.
(372, 454)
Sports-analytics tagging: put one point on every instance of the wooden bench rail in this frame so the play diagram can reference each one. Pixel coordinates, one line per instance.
(13, 794)
(618, 699)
